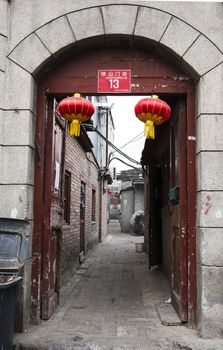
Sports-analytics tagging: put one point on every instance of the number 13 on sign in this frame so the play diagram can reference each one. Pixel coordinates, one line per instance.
(114, 83)
(112, 80)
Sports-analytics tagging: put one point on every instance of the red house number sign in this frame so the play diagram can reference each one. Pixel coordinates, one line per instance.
(114, 81)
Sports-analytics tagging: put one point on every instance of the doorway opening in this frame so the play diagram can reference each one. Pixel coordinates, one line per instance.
(169, 167)
(164, 164)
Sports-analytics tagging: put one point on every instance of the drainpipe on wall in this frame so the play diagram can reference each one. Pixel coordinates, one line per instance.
(100, 206)
(106, 135)
(104, 178)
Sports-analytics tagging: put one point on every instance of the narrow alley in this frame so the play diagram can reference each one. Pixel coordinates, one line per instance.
(111, 302)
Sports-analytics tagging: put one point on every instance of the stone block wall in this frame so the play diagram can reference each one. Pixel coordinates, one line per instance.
(209, 202)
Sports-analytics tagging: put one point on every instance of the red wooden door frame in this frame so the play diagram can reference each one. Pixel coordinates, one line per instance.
(38, 209)
(43, 230)
(179, 211)
(52, 211)
(150, 74)
(191, 208)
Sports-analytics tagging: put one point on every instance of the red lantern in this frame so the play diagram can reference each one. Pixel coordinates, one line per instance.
(75, 109)
(152, 111)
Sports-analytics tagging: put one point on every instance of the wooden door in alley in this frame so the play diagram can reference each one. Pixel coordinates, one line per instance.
(82, 218)
(53, 210)
(178, 209)
(155, 223)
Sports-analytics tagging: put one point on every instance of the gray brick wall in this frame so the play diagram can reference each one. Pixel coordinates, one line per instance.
(82, 168)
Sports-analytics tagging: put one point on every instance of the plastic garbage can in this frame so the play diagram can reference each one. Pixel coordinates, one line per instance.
(13, 253)
(8, 293)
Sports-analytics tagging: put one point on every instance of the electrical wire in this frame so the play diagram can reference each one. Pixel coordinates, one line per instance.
(133, 146)
(136, 138)
(122, 161)
(110, 143)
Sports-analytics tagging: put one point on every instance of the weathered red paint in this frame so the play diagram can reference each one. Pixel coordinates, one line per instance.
(38, 210)
(45, 244)
(150, 73)
(52, 213)
(191, 208)
(78, 73)
(47, 250)
(178, 139)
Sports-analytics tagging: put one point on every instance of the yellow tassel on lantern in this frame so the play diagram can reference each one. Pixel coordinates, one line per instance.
(149, 130)
(75, 128)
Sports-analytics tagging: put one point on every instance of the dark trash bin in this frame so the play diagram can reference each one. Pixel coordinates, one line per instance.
(8, 293)
(13, 252)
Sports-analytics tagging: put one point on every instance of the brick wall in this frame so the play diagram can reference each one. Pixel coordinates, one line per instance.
(82, 167)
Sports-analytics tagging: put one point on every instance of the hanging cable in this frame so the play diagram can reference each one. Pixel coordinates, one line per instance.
(89, 126)
(136, 138)
(122, 161)
(133, 146)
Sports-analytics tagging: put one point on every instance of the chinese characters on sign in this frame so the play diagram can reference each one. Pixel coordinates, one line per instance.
(111, 80)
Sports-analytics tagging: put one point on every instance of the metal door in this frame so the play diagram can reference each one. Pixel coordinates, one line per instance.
(53, 210)
(178, 209)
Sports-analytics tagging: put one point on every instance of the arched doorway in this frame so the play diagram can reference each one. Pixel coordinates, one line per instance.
(150, 74)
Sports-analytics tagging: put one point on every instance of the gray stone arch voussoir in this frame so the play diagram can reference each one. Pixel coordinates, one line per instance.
(192, 50)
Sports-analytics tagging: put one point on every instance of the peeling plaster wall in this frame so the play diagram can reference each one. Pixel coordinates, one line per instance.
(33, 32)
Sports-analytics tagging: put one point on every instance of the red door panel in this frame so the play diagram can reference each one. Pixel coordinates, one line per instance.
(178, 210)
(54, 168)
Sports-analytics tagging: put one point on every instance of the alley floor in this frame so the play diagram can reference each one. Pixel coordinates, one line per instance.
(112, 303)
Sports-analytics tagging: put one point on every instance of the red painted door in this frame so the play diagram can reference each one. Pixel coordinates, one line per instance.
(53, 210)
(178, 209)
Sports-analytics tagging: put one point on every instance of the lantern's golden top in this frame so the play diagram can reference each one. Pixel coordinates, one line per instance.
(155, 97)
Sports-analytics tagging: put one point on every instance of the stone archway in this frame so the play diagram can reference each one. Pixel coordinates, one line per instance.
(150, 73)
(196, 53)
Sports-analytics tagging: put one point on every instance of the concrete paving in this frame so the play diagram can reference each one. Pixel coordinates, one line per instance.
(111, 303)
